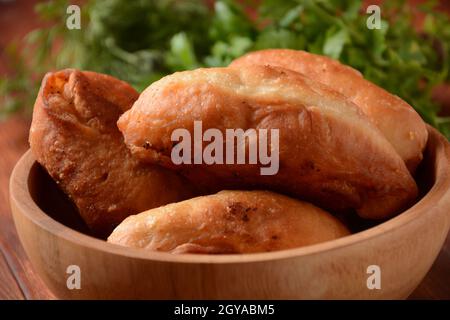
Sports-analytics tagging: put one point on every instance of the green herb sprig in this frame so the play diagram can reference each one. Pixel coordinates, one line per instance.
(142, 41)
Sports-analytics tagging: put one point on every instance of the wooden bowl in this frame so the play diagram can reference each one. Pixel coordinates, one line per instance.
(403, 247)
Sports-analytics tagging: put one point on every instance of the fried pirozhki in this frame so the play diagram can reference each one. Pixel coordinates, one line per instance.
(229, 222)
(329, 151)
(397, 120)
(74, 136)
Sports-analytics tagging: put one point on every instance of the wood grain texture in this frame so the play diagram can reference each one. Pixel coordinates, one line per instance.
(404, 247)
(13, 143)
(436, 284)
(9, 290)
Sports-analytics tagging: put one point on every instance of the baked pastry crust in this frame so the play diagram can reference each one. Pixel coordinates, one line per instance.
(330, 153)
(229, 222)
(396, 119)
(74, 137)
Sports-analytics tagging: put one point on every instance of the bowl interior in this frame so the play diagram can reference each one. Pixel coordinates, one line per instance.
(52, 201)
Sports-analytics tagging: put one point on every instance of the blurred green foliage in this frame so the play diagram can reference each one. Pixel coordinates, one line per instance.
(141, 41)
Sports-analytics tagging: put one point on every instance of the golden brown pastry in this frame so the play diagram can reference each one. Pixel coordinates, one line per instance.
(75, 137)
(329, 152)
(397, 120)
(229, 222)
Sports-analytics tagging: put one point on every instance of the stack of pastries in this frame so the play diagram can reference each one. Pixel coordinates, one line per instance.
(346, 147)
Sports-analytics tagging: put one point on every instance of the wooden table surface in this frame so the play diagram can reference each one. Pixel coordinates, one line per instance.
(17, 278)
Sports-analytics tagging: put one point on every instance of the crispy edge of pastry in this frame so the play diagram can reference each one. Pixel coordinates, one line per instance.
(229, 222)
(75, 138)
(398, 121)
(239, 98)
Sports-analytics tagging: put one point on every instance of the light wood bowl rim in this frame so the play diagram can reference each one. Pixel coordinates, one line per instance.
(20, 195)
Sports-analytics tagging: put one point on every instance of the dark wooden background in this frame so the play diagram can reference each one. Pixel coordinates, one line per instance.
(17, 278)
